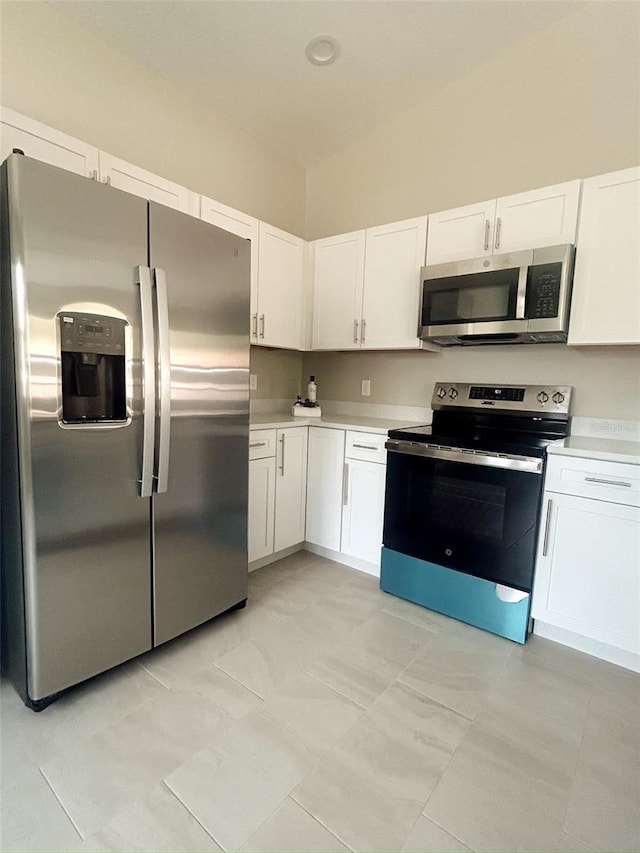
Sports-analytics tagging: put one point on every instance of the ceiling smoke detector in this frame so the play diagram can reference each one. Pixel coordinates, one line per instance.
(322, 50)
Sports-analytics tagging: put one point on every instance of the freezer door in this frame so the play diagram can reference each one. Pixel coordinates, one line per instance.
(200, 521)
(75, 245)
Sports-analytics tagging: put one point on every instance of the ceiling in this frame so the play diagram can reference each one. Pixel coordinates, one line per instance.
(246, 58)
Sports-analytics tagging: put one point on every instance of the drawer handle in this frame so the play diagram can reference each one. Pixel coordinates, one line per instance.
(366, 446)
(547, 527)
(607, 482)
(258, 444)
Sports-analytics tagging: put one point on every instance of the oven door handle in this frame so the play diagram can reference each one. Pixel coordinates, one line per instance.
(527, 464)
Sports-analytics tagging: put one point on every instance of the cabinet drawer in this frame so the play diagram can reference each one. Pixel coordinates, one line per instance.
(616, 482)
(368, 446)
(262, 443)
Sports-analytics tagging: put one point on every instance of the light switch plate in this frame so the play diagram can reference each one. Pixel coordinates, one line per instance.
(366, 388)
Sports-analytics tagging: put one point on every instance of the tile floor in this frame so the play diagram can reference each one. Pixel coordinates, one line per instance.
(330, 716)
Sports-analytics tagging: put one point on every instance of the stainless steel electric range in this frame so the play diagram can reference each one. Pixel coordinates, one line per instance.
(462, 502)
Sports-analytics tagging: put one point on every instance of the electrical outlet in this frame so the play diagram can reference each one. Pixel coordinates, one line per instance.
(253, 382)
(365, 390)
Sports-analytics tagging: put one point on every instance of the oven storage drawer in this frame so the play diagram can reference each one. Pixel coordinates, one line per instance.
(615, 482)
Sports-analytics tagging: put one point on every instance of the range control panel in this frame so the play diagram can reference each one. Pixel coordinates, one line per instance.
(553, 399)
(91, 333)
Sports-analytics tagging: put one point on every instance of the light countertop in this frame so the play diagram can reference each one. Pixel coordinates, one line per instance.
(605, 449)
(278, 420)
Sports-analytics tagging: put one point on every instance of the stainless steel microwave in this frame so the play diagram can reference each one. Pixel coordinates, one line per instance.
(521, 297)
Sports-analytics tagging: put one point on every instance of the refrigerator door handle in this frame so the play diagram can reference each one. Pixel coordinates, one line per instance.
(148, 380)
(164, 382)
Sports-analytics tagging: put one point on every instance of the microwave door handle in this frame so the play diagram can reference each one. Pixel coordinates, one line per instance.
(521, 295)
(148, 380)
(164, 382)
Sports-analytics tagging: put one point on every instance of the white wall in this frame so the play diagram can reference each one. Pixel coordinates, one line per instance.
(61, 75)
(559, 105)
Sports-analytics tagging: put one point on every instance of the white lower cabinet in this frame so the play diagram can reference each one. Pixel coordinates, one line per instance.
(291, 487)
(363, 501)
(587, 582)
(277, 490)
(325, 471)
(262, 496)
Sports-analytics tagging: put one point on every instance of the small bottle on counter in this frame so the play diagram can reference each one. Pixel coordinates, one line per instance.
(311, 390)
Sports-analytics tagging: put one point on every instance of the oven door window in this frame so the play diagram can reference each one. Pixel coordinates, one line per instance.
(473, 518)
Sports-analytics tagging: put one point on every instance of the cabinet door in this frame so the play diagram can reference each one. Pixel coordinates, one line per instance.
(363, 512)
(291, 487)
(605, 306)
(325, 486)
(262, 478)
(245, 226)
(464, 232)
(337, 291)
(542, 217)
(132, 179)
(46, 144)
(280, 292)
(587, 576)
(394, 255)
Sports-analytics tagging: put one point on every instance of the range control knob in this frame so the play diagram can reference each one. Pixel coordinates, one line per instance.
(453, 393)
(558, 397)
(543, 397)
(441, 392)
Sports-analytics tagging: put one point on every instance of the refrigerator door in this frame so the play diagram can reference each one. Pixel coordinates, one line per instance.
(200, 521)
(75, 245)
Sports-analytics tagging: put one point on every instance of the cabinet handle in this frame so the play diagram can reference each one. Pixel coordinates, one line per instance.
(486, 234)
(282, 456)
(94, 175)
(254, 327)
(262, 325)
(355, 331)
(366, 446)
(345, 484)
(547, 527)
(498, 228)
(107, 180)
(607, 482)
(258, 444)
(363, 330)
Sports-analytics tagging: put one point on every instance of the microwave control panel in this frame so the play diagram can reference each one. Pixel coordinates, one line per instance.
(543, 291)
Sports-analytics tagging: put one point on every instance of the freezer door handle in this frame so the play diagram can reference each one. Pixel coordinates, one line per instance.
(164, 381)
(148, 380)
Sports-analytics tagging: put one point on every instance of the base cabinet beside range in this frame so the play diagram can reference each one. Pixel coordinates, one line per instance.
(345, 496)
(277, 490)
(587, 582)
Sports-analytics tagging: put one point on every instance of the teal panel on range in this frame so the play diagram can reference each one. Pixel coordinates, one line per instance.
(467, 598)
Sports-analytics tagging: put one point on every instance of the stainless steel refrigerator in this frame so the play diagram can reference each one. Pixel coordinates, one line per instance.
(125, 417)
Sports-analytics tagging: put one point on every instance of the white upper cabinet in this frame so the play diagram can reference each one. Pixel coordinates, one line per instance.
(391, 302)
(541, 217)
(279, 319)
(605, 306)
(338, 286)
(132, 179)
(46, 144)
(242, 225)
(367, 287)
(464, 232)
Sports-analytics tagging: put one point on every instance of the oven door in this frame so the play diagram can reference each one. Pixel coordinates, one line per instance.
(465, 510)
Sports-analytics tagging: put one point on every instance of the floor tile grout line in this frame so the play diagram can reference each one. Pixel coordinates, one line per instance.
(324, 826)
(237, 681)
(187, 809)
(152, 675)
(335, 690)
(61, 804)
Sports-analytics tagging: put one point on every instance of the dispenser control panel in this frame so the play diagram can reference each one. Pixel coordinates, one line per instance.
(91, 333)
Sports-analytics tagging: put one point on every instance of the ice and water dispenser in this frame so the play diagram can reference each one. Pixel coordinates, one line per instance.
(93, 369)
